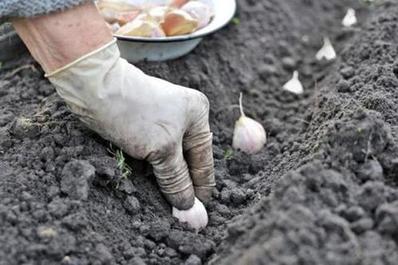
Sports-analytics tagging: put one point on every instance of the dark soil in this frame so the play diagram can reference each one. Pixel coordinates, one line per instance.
(323, 191)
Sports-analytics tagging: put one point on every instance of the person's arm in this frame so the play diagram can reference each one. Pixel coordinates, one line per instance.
(57, 39)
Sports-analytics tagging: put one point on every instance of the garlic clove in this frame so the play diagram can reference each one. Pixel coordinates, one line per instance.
(142, 26)
(179, 22)
(350, 18)
(294, 85)
(249, 135)
(178, 3)
(117, 11)
(327, 51)
(199, 11)
(158, 13)
(126, 17)
(196, 217)
(117, 6)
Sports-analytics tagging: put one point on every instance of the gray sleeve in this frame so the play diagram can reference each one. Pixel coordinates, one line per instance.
(30, 8)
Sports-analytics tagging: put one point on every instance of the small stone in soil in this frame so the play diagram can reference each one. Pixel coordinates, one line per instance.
(189, 243)
(132, 205)
(126, 186)
(288, 63)
(238, 196)
(343, 86)
(103, 254)
(370, 170)
(193, 260)
(347, 72)
(76, 178)
(137, 261)
(387, 218)
(159, 230)
(362, 225)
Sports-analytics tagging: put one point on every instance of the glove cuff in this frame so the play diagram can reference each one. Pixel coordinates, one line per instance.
(66, 67)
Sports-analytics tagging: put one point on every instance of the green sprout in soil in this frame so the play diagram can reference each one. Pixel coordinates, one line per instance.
(236, 21)
(228, 154)
(121, 162)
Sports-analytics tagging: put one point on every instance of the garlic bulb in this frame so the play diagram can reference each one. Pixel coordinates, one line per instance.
(249, 135)
(196, 217)
(350, 19)
(327, 51)
(294, 85)
(199, 11)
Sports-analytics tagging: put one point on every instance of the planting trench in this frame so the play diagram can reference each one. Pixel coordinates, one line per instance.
(323, 190)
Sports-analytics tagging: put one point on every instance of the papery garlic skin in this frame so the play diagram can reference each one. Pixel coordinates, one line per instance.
(350, 18)
(294, 85)
(199, 11)
(196, 217)
(327, 51)
(249, 135)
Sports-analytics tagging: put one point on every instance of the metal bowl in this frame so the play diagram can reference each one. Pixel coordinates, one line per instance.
(135, 49)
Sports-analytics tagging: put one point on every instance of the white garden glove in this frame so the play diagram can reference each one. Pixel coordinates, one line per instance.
(147, 117)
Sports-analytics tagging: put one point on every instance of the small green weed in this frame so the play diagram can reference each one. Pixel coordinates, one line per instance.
(121, 162)
(228, 154)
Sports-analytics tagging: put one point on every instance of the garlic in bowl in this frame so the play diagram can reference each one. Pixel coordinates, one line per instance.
(161, 30)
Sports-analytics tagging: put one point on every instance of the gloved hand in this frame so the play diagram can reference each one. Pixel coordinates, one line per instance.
(147, 117)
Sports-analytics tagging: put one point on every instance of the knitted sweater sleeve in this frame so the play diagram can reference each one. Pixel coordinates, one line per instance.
(30, 8)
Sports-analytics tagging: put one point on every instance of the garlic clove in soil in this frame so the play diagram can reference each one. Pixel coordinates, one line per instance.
(199, 11)
(350, 19)
(294, 85)
(179, 22)
(327, 51)
(249, 135)
(196, 217)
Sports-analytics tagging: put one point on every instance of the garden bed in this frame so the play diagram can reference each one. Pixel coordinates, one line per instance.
(322, 191)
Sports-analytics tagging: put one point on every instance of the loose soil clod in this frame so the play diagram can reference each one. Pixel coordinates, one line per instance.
(323, 191)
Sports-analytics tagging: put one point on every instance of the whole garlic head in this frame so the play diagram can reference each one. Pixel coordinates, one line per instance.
(196, 217)
(249, 135)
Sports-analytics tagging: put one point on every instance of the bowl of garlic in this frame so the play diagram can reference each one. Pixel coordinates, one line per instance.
(159, 30)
